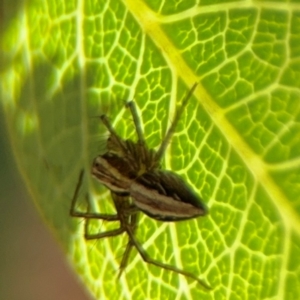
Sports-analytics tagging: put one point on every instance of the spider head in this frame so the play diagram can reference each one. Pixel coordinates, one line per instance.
(113, 172)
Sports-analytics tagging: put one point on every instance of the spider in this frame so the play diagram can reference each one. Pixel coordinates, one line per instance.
(133, 174)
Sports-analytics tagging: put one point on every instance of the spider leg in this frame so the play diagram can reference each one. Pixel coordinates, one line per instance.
(109, 233)
(143, 154)
(125, 258)
(75, 196)
(128, 214)
(124, 262)
(112, 132)
(137, 122)
(87, 215)
(171, 130)
(91, 215)
(154, 262)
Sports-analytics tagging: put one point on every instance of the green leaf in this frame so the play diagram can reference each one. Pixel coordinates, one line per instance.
(238, 142)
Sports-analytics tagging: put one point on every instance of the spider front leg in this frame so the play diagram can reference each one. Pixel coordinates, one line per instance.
(144, 156)
(149, 260)
(100, 235)
(115, 139)
(162, 148)
(88, 214)
(137, 122)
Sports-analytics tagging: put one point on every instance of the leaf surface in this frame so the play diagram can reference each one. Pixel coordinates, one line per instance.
(237, 143)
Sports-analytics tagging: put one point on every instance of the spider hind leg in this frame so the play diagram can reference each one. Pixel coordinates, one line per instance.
(149, 260)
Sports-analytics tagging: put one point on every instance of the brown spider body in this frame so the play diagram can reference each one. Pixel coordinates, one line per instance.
(131, 171)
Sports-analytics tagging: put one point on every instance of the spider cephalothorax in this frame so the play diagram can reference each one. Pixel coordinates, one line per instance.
(132, 172)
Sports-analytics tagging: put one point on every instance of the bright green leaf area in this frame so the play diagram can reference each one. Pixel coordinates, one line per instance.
(237, 144)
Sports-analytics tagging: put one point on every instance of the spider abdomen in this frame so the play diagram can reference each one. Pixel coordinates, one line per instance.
(164, 195)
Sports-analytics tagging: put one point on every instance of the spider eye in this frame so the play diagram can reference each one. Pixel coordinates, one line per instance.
(96, 162)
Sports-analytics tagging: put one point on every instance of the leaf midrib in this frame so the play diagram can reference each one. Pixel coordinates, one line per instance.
(150, 25)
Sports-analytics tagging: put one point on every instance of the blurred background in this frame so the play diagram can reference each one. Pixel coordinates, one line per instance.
(32, 264)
